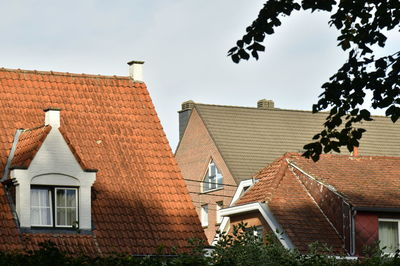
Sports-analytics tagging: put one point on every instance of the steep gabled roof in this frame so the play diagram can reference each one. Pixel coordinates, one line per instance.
(362, 181)
(139, 199)
(293, 207)
(248, 138)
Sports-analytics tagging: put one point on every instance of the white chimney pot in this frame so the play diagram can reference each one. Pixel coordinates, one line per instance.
(136, 70)
(52, 117)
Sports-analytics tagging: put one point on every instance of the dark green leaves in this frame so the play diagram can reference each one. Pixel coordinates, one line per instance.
(361, 25)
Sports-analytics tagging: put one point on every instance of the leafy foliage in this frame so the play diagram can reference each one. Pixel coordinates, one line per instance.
(362, 26)
(241, 247)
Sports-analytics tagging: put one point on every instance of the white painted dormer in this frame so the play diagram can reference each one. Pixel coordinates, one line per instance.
(53, 191)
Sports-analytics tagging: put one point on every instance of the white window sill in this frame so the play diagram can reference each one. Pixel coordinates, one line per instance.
(212, 190)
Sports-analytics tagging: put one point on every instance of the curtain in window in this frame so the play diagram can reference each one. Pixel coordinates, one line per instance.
(388, 236)
(66, 207)
(40, 207)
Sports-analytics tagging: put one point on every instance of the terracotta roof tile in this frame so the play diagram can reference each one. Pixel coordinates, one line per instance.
(365, 181)
(112, 125)
(293, 207)
(29, 143)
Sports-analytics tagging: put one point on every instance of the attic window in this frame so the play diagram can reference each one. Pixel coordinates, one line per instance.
(213, 179)
(64, 211)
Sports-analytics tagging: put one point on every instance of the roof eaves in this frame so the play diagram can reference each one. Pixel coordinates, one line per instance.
(268, 217)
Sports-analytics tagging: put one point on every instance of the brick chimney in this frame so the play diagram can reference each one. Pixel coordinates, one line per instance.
(184, 115)
(136, 70)
(265, 104)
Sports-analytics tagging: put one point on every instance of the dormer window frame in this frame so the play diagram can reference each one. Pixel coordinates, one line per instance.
(52, 190)
(51, 162)
(213, 172)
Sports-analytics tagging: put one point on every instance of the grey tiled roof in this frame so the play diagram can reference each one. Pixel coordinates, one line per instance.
(250, 138)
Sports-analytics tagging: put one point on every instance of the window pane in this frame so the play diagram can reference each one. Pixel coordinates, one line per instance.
(61, 216)
(71, 198)
(60, 198)
(212, 166)
(71, 217)
(34, 197)
(45, 216)
(213, 184)
(388, 236)
(44, 197)
(35, 218)
(40, 207)
(204, 215)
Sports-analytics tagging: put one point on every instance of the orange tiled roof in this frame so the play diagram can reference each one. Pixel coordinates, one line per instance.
(293, 207)
(365, 181)
(29, 142)
(139, 199)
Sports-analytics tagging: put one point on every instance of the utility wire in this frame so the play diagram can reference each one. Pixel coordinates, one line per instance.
(224, 184)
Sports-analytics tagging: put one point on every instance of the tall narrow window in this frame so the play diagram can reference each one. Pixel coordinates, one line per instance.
(213, 178)
(66, 207)
(204, 215)
(389, 235)
(218, 211)
(41, 214)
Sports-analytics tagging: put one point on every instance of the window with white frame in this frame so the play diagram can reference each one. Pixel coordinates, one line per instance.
(218, 211)
(204, 215)
(54, 207)
(389, 235)
(41, 207)
(213, 179)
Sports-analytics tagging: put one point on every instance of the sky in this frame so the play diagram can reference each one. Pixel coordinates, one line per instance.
(184, 45)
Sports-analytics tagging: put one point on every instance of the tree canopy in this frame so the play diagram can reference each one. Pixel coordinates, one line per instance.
(362, 26)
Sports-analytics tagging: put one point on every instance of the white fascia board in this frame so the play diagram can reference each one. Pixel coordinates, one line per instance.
(240, 188)
(268, 217)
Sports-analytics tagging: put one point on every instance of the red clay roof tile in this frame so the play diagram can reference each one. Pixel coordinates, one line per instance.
(112, 125)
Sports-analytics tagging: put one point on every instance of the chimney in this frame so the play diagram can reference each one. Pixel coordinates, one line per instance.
(355, 151)
(52, 117)
(184, 115)
(265, 104)
(136, 70)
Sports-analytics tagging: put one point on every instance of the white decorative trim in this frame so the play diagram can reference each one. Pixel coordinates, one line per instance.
(225, 220)
(244, 184)
(268, 217)
(53, 165)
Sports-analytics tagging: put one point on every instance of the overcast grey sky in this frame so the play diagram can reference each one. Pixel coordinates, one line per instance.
(184, 45)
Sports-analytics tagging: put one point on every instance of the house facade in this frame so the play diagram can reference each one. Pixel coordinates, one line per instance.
(85, 164)
(348, 203)
(239, 141)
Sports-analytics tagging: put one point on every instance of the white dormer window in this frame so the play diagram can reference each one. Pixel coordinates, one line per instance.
(52, 189)
(213, 179)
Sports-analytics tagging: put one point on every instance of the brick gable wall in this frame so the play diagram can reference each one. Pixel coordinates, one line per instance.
(193, 154)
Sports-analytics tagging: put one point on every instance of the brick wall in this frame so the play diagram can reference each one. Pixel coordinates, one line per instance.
(252, 219)
(193, 155)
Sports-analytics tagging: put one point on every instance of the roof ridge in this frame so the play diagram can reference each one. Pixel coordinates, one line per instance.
(275, 109)
(68, 74)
